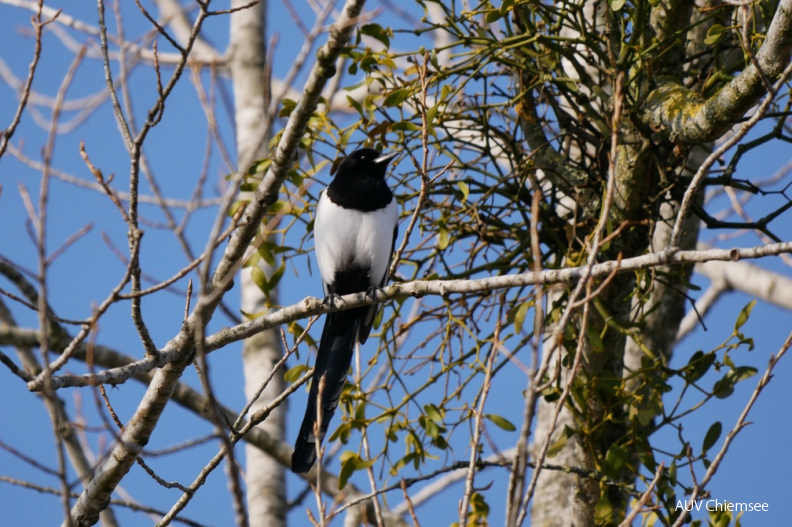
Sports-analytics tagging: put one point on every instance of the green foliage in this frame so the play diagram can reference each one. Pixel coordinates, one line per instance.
(350, 462)
(713, 434)
(714, 34)
(501, 422)
(514, 74)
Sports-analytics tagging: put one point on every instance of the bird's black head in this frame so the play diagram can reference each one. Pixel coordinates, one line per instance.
(365, 162)
(359, 182)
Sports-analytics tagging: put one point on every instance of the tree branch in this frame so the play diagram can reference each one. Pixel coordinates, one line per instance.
(314, 306)
(679, 115)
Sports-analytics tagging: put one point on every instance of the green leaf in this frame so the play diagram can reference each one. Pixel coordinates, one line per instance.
(342, 432)
(463, 187)
(493, 16)
(742, 318)
(412, 456)
(293, 374)
(445, 91)
(432, 430)
(744, 372)
(295, 178)
(376, 31)
(479, 506)
(287, 107)
(551, 394)
(405, 126)
(724, 387)
(344, 139)
(277, 206)
(597, 346)
(558, 446)
(616, 4)
(253, 316)
(442, 239)
(356, 105)
(645, 416)
(501, 422)
(259, 278)
(714, 34)
(252, 260)
(698, 365)
(396, 97)
(433, 413)
(519, 315)
(265, 251)
(506, 5)
(712, 436)
(347, 468)
(672, 473)
(603, 510)
(615, 459)
(259, 166)
(431, 113)
(232, 211)
(728, 362)
(276, 276)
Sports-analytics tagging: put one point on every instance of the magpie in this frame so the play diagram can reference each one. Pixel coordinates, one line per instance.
(354, 234)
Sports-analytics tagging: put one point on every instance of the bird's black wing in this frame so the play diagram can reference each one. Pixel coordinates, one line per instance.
(371, 311)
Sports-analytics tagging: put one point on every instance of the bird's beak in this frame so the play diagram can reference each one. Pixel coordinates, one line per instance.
(385, 158)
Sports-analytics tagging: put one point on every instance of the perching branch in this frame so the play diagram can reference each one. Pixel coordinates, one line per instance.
(315, 306)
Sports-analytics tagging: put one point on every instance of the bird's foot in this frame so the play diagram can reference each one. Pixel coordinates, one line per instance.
(371, 290)
(330, 300)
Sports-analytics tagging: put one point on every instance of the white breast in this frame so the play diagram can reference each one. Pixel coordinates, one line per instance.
(344, 235)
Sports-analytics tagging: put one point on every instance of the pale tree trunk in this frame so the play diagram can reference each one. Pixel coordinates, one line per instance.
(556, 500)
(564, 499)
(264, 476)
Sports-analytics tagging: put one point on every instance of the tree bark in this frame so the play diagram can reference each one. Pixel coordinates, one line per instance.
(264, 475)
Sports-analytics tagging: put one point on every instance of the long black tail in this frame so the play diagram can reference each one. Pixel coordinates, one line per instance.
(332, 363)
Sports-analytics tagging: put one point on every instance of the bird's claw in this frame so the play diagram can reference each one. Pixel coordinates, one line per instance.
(330, 300)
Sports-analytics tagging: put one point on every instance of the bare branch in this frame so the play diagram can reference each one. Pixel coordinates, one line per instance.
(38, 26)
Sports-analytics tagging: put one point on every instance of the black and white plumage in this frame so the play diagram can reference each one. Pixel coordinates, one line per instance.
(354, 233)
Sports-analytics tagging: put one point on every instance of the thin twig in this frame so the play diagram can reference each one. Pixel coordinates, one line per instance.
(256, 419)
(409, 504)
(38, 26)
(738, 426)
(645, 498)
(477, 425)
(120, 503)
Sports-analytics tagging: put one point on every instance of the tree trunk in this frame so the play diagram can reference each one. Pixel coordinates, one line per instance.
(265, 478)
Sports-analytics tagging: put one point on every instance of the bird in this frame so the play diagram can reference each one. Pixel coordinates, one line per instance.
(354, 235)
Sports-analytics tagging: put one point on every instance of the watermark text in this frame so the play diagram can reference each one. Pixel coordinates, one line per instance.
(718, 506)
